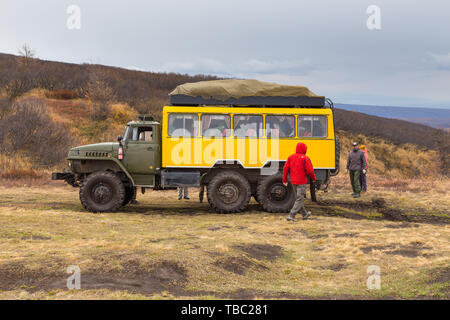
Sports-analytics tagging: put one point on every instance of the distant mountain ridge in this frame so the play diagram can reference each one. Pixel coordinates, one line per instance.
(433, 117)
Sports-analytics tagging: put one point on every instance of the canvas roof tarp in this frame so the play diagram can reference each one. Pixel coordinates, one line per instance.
(231, 88)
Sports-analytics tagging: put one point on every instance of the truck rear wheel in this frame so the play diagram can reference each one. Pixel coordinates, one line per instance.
(228, 192)
(102, 192)
(274, 196)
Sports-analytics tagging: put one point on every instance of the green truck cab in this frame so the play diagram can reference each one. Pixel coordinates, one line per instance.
(108, 180)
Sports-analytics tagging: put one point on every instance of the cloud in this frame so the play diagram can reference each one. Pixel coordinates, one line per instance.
(441, 61)
(135, 68)
(198, 66)
(268, 67)
(230, 69)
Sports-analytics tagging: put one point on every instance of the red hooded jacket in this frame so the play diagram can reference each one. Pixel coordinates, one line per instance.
(299, 165)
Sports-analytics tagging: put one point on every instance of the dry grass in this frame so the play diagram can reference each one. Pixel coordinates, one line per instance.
(14, 174)
(61, 94)
(393, 161)
(164, 248)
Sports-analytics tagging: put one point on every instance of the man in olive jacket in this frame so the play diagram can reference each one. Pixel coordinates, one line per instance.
(355, 164)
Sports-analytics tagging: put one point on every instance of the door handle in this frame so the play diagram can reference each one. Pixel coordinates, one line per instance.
(150, 148)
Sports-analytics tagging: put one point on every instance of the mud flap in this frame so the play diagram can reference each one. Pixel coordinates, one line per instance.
(201, 193)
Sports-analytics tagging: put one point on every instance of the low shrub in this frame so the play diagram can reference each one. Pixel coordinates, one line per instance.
(15, 174)
(29, 130)
(61, 94)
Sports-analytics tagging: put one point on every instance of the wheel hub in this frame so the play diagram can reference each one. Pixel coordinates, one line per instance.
(278, 192)
(102, 193)
(228, 193)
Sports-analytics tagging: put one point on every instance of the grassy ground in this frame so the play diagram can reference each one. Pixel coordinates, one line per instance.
(165, 249)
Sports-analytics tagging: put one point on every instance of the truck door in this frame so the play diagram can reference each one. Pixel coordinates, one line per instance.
(141, 152)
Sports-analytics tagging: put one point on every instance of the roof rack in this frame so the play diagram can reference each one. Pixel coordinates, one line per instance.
(145, 117)
(253, 101)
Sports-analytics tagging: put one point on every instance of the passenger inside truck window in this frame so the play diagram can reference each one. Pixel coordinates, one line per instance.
(304, 126)
(215, 125)
(183, 125)
(146, 134)
(287, 126)
(312, 126)
(280, 126)
(141, 134)
(248, 126)
(319, 126)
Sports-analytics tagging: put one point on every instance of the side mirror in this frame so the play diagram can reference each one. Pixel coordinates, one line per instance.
(119, 138)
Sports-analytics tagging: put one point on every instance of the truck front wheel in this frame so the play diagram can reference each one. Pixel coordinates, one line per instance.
(102, 192)
(228, 192)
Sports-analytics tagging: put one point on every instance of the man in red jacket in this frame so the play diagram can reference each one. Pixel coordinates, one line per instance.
(300, 167)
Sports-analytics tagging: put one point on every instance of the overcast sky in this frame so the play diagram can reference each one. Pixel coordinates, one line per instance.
(323, 44)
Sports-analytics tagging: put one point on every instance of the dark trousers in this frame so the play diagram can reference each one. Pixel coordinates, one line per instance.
(363, 181)
(354, 180)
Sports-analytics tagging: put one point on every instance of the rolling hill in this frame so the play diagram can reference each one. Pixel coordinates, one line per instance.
(434, 117)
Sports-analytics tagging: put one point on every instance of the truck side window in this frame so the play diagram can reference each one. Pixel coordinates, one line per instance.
(183, 125)
(280, 126)
(144, 134)
(248, 126)
(312, 126)
(215, 125)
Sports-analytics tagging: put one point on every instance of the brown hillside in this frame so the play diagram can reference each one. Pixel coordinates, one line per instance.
(397, 131)
(145, 91)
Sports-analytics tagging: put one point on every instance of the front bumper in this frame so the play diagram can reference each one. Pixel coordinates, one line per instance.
(67, 176)
(61, 175)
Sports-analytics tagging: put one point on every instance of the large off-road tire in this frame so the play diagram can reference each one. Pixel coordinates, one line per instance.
(129, 195)
(337, 159)
(274, 196)
(102, 192)
(228, 192)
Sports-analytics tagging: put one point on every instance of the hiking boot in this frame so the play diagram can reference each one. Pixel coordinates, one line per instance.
(306, 215)
(180, 197)
(291, 218)
(186, 197)
(134, 201)
(356, 195)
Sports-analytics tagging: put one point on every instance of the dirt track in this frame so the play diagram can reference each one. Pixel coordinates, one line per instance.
(379, 205)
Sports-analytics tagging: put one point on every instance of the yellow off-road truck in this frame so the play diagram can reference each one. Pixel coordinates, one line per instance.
(230, 137)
